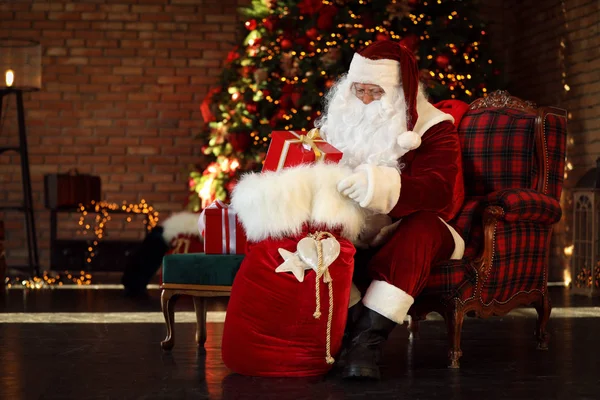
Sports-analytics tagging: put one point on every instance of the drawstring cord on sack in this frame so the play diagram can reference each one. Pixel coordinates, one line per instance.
(326, 279)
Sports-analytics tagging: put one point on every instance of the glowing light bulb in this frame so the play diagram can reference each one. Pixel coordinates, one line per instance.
(9, 77)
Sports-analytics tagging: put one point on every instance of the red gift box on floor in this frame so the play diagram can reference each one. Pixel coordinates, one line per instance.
(222, 232)
(290, 148)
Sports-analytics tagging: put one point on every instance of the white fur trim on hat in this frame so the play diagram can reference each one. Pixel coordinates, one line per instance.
(375, 72)
(181, 223)
(388, 300)
(277, 204)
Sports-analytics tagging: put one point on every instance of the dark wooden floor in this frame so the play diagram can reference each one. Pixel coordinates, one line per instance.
(124, 360)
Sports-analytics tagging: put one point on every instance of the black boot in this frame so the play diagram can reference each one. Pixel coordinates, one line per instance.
(354, 314)
(368, 336)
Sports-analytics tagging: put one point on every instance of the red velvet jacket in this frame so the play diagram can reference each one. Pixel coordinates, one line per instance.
(432, 178)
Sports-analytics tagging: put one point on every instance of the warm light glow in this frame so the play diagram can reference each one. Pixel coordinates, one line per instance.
(204, 193)
(567, 277)
(9, 77)
(569, 250)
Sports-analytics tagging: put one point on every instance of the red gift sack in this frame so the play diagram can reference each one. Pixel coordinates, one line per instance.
(271, 328)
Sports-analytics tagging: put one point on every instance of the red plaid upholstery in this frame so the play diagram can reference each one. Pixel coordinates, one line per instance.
(498, 147)
(526, 205)
(450, 279)
(500, 168)
(519, 262)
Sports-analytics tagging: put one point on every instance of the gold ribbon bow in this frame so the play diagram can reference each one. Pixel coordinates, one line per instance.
(309, 139)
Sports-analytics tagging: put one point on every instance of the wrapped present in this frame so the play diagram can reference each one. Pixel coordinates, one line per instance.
(289, 148)
(222, 232)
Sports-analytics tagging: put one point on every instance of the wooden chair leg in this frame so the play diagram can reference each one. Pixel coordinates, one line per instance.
(454, 320)
(200, 307)
(168, 299)
(543, 308)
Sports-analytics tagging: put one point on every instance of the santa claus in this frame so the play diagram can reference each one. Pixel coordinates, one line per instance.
(407, 176)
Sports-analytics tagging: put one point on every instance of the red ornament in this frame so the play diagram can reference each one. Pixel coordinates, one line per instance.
(233, 55)
(248, 70)
(302, 41)
(326, 15)
(410, 42)
(442, 61)
(381, 36)
(277, 117)
(251, 24)
(413, 3)
(270, 23)
(252, 107)
(286, 44)
(206, 106)
(310, 7)
(312, 33)
(240, 141)
(329, 83)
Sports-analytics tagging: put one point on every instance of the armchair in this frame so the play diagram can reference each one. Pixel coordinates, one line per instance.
(513, 160)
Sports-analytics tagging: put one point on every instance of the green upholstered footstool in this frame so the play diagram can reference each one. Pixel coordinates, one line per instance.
(198, 275)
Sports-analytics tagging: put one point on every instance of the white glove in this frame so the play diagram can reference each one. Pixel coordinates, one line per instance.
(376, 188)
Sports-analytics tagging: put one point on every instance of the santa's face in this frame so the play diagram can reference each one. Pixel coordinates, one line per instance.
(363, 121)
(367, 92)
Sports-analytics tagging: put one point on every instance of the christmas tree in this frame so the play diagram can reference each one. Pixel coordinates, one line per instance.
(291, 52)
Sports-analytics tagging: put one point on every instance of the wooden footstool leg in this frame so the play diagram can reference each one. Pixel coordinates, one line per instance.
(200, 307)
(168, 299)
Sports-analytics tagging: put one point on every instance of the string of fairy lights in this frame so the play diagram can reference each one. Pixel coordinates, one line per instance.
(566, 199)
(102, 211)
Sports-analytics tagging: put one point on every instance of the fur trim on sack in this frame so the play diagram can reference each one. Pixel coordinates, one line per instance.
(184, 222)
(278, 204)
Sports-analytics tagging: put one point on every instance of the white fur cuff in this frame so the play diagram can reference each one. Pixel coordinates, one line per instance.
(384, 188)
(388, 300)
(277, 204)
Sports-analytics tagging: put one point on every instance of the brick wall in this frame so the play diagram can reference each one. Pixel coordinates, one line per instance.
(122, 82)
(543, 46)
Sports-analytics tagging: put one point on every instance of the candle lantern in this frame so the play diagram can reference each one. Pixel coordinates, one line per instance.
(585, 267)
(21, 71)
(20, 64)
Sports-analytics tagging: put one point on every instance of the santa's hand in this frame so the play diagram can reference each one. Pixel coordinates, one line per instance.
(376, 188)
(355, 186)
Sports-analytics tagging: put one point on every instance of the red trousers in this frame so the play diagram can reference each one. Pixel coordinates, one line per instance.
(405, 260)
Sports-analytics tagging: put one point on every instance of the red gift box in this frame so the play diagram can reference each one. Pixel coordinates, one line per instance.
(221, 229)
(289, 148)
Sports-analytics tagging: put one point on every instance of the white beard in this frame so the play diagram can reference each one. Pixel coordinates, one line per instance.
(365, 133)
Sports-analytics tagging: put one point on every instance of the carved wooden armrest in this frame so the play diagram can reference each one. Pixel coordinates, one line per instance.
(491, 216)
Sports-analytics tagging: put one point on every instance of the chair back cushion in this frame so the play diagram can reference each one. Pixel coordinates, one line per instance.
(498, 147)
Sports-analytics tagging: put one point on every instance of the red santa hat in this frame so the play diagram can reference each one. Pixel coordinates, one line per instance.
(387, 64)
